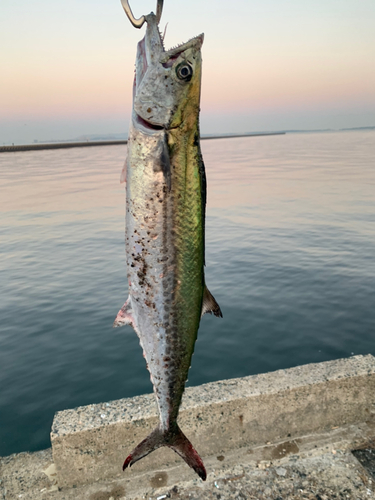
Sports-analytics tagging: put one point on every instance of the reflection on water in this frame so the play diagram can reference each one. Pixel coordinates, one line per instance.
(290, 258)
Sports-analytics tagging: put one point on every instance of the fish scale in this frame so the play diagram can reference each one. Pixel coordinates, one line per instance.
(165, 212)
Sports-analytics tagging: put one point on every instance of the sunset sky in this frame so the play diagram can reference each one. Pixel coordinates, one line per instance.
(67, 67)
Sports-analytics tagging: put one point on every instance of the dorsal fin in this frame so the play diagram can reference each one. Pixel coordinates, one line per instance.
(210, 305)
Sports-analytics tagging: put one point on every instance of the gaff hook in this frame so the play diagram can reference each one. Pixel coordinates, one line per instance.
(138, 23)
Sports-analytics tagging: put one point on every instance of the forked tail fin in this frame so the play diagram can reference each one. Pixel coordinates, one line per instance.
(176, 440)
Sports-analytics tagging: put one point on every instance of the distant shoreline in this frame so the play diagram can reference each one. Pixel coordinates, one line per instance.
(85, 144)
(116, 142)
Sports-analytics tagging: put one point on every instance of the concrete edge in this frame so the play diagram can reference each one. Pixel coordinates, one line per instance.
(32, 476)
(90, 443)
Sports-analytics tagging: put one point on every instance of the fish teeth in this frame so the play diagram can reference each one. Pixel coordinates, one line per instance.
(161, 38)
(182, 43)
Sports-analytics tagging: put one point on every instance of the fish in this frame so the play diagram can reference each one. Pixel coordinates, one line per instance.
(165, 228)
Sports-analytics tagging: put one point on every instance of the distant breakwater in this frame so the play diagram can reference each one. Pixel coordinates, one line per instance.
(85, 144)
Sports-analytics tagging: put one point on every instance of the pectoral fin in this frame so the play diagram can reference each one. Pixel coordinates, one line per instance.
(125, 315)
(162, 161)
(123, 171)
(210, 305)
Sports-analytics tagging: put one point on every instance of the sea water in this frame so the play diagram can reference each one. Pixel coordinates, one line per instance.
(290, 257)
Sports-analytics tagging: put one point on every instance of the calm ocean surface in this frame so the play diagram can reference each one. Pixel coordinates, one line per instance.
(290, 258)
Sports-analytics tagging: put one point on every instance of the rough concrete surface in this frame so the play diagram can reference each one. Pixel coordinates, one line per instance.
(318, 466)
(90, 443)
(278, 436)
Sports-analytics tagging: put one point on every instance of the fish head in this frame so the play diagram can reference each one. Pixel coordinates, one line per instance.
(167, 82)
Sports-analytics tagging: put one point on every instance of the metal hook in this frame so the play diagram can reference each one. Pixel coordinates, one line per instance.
(138, 23)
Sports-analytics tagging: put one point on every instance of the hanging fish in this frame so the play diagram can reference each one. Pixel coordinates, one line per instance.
(165, 217)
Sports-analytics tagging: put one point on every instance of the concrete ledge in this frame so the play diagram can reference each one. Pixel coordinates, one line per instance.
(90, 443)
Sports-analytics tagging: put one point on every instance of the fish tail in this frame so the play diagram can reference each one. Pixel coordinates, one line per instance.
(174, 439)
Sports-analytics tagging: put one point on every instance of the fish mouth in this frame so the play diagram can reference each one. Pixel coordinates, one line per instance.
(141, 64)
(149, 113)
(144, 124)
(141, 69)
(172, 54)
(166, 57)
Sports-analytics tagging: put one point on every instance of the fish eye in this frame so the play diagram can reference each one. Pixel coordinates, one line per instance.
(184, 72)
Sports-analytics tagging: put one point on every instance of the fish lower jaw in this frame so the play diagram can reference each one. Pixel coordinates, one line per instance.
(145, 125)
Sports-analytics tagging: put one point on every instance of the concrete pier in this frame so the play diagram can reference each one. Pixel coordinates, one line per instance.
(245, 429)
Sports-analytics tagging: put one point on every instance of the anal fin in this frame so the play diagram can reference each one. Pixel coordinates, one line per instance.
(125, 315)
(210, 305)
